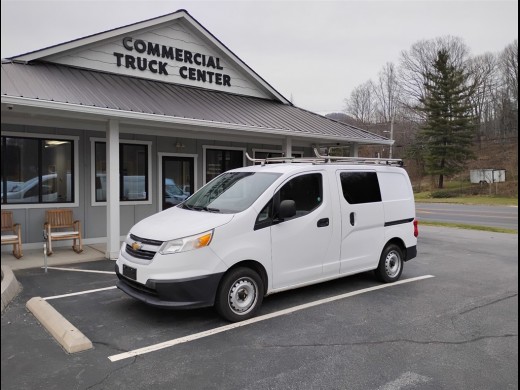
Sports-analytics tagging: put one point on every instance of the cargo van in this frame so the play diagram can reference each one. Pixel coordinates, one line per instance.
(267, 228)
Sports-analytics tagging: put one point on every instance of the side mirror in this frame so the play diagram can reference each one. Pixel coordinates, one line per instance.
(287, 209)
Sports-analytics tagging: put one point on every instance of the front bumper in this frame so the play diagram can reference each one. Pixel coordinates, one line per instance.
(187, 293)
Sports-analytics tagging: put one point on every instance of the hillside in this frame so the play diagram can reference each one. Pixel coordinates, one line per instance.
(491, 154)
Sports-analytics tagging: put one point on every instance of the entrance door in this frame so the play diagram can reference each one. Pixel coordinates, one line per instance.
(177, 180)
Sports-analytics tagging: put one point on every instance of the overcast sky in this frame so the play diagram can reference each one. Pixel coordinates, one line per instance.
(315, 52)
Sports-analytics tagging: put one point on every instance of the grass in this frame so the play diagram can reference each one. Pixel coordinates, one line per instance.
(463, 192)
(470, 227)
(425, 197)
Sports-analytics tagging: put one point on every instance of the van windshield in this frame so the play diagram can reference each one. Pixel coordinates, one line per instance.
(231, 192)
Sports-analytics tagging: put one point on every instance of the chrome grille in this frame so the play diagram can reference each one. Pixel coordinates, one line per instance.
(140, 254)
(146, 241)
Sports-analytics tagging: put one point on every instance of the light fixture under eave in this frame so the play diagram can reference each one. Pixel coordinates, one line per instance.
(54, 143)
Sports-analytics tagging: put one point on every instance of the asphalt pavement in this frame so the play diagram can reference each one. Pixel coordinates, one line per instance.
(457, 329)
(505, 217)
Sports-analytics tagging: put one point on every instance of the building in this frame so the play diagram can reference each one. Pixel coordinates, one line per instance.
(125, 123)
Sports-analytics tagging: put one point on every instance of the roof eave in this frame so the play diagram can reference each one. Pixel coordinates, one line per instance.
(110, 113)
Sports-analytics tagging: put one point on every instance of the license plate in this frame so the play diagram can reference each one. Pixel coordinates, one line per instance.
(129, 272)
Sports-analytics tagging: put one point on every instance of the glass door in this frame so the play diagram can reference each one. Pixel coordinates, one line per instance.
(177, 180)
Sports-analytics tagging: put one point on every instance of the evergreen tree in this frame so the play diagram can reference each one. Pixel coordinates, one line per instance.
(447, 135)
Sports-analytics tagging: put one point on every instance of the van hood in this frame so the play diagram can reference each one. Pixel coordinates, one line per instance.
(176, 223)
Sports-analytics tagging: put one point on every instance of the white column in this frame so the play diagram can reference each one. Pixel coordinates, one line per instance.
(287, 147)
(113, 225)
(354, 150)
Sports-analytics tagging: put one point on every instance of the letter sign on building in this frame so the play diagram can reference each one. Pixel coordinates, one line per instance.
(140, 62)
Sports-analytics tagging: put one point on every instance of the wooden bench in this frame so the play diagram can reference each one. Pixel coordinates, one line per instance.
(60, 225)
(16, 237)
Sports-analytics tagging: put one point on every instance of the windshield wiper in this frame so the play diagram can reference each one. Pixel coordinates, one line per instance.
(205, 208)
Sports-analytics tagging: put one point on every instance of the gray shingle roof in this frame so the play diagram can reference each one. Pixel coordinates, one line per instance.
(62, 84)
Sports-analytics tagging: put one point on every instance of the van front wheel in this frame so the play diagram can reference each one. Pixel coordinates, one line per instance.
(239, 295)
(390, 264)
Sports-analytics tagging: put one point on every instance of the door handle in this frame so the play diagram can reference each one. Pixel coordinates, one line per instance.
(323, 222)
(352, 219)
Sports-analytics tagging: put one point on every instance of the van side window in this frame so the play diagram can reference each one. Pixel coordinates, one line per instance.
(306, 191)
(360, 187)
(265, 217)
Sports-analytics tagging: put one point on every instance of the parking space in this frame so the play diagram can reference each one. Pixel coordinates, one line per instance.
(455, 330)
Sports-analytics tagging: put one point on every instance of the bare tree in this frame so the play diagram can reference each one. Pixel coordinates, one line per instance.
(506, 97)
(509, 65)
(484, 78)
(361, 104)
(387, 93)
(417, 62)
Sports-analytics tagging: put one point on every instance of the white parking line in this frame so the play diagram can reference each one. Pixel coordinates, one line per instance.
(78, 293)
(82, 270)
(171, 343)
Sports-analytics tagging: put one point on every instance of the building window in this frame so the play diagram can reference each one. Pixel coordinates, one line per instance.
(264, 153)
(37, 170)
(133, 172)
(222, 160)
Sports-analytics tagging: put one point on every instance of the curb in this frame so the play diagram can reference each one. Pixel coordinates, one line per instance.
(70, 338)
(10, 286)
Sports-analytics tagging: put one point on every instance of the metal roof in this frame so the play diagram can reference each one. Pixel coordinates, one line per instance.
(67, 85)
(65, 47)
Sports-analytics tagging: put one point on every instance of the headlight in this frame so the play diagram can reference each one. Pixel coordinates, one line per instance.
(186, 244)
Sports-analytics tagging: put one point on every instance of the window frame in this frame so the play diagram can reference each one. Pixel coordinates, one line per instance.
(160, 156)
(75, 162)
(93, 141)
(295, 154)
(216, 147)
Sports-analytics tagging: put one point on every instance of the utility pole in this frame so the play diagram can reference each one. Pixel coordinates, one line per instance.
(391, 154)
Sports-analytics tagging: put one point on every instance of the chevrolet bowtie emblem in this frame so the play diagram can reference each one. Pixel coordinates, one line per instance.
(136, 246)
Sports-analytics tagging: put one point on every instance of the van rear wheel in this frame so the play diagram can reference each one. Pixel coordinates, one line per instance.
(390, 265)
(239, 295)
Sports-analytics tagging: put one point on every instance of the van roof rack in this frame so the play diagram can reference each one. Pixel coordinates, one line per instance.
(320, 159)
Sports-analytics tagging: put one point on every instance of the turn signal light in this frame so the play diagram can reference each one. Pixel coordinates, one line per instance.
(203, 240)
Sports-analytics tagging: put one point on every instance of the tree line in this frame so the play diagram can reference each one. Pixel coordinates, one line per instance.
(443, 101)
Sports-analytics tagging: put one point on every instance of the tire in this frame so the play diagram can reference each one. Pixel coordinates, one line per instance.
(239, 295)
(390, 265)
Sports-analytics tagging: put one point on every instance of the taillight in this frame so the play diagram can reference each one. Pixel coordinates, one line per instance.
(415, 228)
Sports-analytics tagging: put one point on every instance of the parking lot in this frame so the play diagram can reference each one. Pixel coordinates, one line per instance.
(451, 324)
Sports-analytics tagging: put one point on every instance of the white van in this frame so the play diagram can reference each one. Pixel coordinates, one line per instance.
(258, 230)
